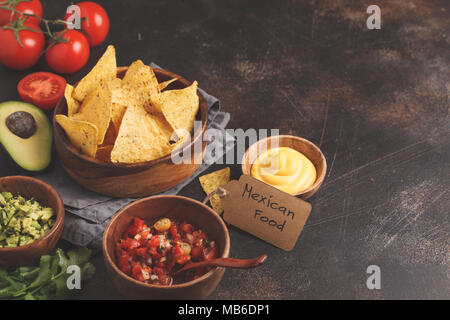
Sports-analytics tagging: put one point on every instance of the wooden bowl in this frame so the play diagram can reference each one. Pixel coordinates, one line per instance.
(136, 179)
(47, 196)
(151, 209)
(309, 149)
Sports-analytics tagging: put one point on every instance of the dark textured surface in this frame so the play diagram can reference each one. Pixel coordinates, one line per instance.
(375, 101)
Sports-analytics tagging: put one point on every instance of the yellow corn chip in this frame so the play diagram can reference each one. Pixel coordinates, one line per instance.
(165, 84)
(117, 94)
(165, 129)
(139, 84)
(122, 97)
(72, 105)
(115, 83)
(210, 182)
(117, 112)
(96, 109)
(179, 107)
(83, 135)
(140, 138)
(104, 70)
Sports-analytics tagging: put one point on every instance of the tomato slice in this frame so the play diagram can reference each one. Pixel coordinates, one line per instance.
(42, 89)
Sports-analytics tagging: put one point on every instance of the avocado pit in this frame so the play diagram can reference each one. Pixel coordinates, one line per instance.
(22, 124)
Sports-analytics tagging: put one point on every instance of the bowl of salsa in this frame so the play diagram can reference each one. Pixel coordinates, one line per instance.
(146, 242)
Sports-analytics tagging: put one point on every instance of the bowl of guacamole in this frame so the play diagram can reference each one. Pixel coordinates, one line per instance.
(22, 220)
(31, 220)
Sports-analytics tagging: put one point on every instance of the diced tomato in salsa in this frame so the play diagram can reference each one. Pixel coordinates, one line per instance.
(150, 253)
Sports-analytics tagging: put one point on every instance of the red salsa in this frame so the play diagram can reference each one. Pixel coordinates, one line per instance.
(152, 253)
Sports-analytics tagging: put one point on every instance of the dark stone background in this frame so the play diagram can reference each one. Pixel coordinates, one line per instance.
(376, 101)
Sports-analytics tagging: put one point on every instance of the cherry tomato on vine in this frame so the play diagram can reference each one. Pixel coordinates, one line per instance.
(43, 89)
(14, 56)
(96, 27)
(29, 7)
(71, 56)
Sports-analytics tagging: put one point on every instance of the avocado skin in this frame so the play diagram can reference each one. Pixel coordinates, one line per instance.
(38, 148)
(14, 169)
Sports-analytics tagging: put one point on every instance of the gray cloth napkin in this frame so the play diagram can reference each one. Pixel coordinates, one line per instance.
(87, 213)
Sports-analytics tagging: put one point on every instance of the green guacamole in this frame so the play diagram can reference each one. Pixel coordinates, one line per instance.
(22, 221)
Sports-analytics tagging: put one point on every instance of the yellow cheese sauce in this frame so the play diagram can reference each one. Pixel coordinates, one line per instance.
(286, 169)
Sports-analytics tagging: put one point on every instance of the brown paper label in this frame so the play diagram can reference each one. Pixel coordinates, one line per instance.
(265, 212)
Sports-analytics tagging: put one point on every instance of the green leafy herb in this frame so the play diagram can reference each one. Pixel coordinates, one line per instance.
(49, 280)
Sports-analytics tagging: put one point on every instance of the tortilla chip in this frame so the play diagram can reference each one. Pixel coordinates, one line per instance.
(72, 105)
(139, 84)
(117, 112)
(210, 182)
(177, 143)
(122, 97)
(179, 107)
(96, 109)
(82, 134)
(165, 84)
(140, 138)
(104, 70)
(115, 83)
(117, 94)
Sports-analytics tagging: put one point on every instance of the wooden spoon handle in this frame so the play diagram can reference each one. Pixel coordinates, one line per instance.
(226, 263)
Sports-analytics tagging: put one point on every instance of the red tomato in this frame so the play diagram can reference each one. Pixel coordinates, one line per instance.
(179, 256)
(123, 263)
(43, 89)
(155, 242)
(196, 253)
(173, 230)
(136, 227)
(186, 227)
(211, 253)
(13, 56)
(131, 244)
(165, 280)
(136, 269)
(97, 24)
(71, 56)
(142, 252)
(29, 7)
(158, 271)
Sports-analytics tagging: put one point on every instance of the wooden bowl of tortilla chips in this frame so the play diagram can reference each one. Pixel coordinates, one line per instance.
(123, 131)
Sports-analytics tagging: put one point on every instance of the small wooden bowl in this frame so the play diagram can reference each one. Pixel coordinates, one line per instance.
(134, 179)
(151, 209)
(309, 149)
(47, 196)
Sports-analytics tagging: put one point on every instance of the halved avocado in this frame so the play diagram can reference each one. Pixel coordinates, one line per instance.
(26, 134)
